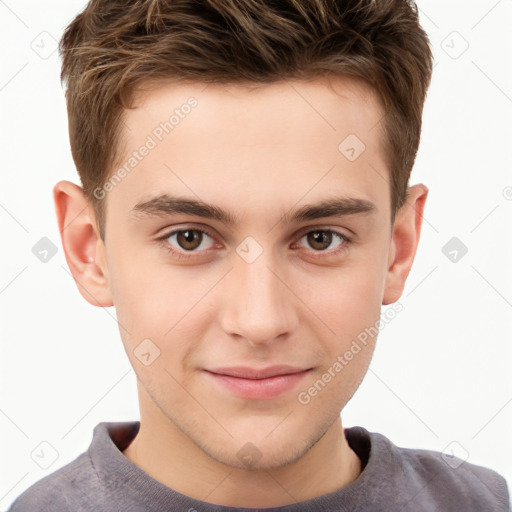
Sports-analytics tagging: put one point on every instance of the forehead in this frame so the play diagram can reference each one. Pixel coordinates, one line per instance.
(253, 145)
(322, 107)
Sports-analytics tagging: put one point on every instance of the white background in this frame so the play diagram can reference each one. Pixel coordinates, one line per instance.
(441, 370)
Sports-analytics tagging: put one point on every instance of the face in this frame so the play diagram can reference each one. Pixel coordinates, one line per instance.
(215, 274)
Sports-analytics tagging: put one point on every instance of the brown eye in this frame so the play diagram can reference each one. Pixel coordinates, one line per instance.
(319, 239)
(190, 239)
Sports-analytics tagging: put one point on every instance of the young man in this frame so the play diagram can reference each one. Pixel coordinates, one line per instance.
(246, 208)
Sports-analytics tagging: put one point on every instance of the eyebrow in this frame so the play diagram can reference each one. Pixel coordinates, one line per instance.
(165, 204)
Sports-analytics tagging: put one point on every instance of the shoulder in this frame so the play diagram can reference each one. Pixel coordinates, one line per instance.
(64, 490)
(452, 473)
(423, 480)
(446, 480)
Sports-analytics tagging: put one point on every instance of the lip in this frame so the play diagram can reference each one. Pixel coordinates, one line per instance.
(258, 384)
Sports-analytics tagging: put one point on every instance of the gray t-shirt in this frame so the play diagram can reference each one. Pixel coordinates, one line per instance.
(393, 479)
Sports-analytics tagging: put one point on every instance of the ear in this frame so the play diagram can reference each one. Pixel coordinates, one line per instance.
(83, 248)
(406, 235)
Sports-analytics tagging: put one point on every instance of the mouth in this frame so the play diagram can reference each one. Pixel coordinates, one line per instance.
(257, 384)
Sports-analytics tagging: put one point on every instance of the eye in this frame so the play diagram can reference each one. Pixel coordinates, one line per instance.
(181, 241)
(321, 239)
(189, 239)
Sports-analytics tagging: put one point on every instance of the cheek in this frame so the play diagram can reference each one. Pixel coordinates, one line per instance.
(349, 300)
(164, 305)
(147, 295)
(349, 308)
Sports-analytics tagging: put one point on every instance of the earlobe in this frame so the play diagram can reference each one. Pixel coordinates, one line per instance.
(404, 243)
(80, 241)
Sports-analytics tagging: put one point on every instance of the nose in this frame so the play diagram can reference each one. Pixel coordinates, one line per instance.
(259, 306)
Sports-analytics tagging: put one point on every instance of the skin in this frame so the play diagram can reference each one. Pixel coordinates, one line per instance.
(258, 152)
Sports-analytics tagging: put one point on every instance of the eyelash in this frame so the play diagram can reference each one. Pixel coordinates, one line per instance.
(183, 256)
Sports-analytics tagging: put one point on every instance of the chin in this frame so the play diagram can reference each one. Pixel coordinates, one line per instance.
(260, 452)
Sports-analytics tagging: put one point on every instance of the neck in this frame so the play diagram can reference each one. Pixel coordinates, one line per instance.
(165, 453)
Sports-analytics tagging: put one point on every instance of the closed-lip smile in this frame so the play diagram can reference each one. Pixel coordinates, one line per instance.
(258, 383)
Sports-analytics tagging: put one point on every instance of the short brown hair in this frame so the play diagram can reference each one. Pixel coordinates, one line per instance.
(114, 47)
